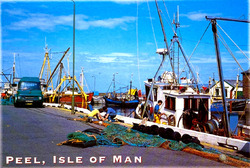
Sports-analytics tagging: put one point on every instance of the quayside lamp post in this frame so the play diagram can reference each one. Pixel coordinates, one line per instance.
(73, 87)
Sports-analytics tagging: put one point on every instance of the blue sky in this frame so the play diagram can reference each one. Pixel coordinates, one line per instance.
(119, 37)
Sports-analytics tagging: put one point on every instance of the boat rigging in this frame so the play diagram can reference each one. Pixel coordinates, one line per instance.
(213, 20)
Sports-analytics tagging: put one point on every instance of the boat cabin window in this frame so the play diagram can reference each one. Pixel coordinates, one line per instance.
(191, 103)
(170, 87)
(154, 91)
(170, 103)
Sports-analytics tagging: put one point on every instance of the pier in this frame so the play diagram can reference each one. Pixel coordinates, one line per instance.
(40, 129)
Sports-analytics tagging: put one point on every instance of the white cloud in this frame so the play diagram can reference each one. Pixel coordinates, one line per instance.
(17, 12)
(84, 53)
(128, 1)
(212, 59)
(46, 22)
(117, 54)
(199, 16)
(14, 40)
(150, 43)
(106, 59)
(245, 52)
(110, 23)
(204, 60)
(118, 58)
(133, 1)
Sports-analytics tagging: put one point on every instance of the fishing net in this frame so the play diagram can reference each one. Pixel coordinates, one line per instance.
(81, 136)
(131, 137)
(178, 146)
(117, 135)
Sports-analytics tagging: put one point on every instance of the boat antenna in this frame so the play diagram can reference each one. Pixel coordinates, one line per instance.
(177, 25)
(176, 39)
(176, 22)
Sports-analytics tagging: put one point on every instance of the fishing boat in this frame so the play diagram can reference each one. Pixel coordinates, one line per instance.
(182, 104)
(97, 99)
(186, 106)
(129, 99)
(8, 86)
(80, 100)
(63, 92)
(121, 102)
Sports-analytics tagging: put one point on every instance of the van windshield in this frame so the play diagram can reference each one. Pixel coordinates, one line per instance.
(29, 86)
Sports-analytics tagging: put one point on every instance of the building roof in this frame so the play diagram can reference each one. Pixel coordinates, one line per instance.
(231, 82)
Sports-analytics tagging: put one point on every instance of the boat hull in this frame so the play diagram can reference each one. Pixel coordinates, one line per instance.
(111, 102)
(79, 100)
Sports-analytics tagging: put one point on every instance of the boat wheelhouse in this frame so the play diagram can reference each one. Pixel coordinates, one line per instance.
(178, 101)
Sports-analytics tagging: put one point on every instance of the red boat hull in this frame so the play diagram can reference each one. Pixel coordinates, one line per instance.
(79, 100)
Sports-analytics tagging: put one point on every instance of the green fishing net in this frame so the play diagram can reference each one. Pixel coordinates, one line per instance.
(117, 135)
(132, 137)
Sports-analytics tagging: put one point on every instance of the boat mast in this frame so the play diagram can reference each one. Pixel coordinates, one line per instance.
(176, 39)
(223, 93)
(130, 89)
(68, 66)
(177, 25)
(165, 40)
(82, 76)
(14, 67)
(237, 84)
(52, 74)
(114, 83)
(214, 29)
(163, 53)
(46, 62)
